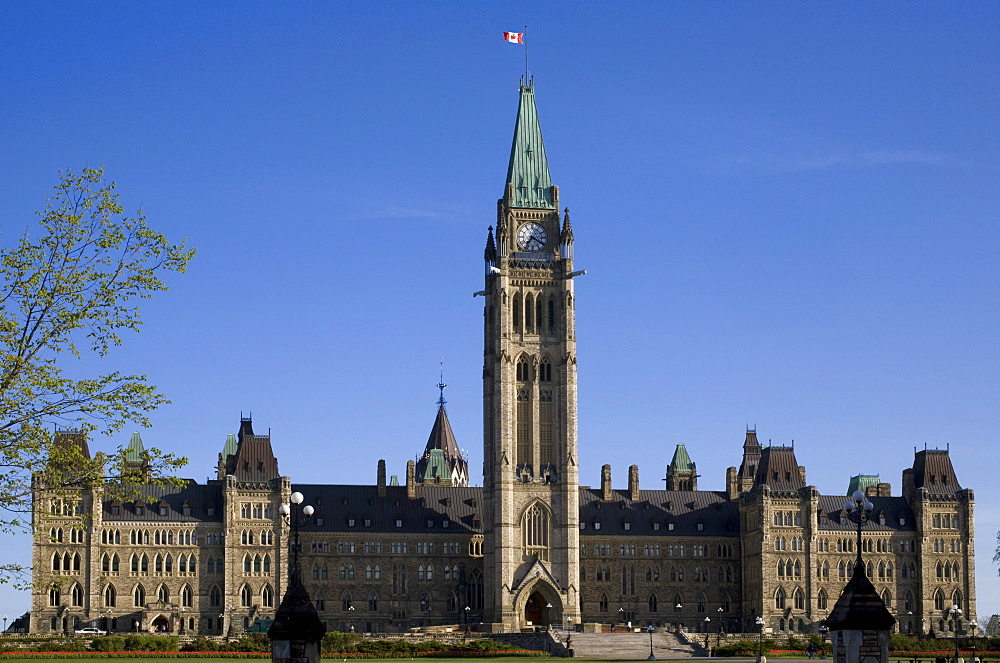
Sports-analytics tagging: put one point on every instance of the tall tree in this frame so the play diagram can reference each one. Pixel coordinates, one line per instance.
(69, 290)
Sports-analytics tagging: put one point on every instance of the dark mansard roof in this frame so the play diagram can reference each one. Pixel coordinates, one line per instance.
(686, 509)
(778, 469)
(336, 506)
(932, 469)
(197, 496)
(892, 508)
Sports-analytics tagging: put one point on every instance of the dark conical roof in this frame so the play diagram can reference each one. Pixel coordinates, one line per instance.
(859, 606)
(441, 442)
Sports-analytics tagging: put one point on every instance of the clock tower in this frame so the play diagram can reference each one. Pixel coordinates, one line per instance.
(531, 493)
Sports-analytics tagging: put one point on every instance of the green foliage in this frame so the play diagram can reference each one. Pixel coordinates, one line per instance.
(249, 642)
(738, 648)
(336, 642)
(70, 292)
(797, 643)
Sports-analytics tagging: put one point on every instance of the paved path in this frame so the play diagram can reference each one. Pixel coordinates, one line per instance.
(629, 646)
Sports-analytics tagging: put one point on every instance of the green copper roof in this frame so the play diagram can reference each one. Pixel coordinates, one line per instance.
(437, 467)
(394, 480)
(134, 452)
(681, 462)
(528, 171)
(862, 482)
(230, 447)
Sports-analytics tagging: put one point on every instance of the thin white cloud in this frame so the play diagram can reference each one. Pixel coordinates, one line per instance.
(842, 160)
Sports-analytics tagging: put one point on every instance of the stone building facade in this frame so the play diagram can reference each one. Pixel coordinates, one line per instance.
(532, 546)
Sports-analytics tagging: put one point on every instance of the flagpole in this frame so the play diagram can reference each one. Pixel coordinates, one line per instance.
(526, 55)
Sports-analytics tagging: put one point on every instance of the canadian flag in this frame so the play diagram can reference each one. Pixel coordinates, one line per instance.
(514, 37)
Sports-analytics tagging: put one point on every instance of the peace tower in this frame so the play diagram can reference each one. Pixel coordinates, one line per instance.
(531, 493)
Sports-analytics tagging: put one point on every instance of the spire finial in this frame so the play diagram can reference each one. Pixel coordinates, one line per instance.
(441, 385)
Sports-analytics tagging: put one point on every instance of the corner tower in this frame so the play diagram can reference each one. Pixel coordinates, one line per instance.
(529, 395)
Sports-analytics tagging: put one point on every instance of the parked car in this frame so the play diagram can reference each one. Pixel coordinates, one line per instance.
(90, 631)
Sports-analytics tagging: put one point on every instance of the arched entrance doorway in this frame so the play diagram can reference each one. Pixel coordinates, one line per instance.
(161, 624)
(537, 610)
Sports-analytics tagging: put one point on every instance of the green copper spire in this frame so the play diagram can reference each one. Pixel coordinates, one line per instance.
(528, 181)
(681, 461)
(135, 450)
(229, 449)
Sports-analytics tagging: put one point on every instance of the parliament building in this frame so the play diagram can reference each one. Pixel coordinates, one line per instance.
(532, 547)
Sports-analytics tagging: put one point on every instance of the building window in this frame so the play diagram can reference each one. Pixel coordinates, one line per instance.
(535, 531)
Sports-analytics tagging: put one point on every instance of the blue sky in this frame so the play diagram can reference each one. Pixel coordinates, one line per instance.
(787, 211)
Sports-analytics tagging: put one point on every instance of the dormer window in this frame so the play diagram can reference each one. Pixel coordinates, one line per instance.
(583, 525)
(597, 524)
(656, 527)
(446, 523)
(701, 527)
(368, 522)
(350, 522)
(430, 523)
(627, 525)
(670, 527)
(399, 522)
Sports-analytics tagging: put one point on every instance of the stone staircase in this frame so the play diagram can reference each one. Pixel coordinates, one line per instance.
(629, 646)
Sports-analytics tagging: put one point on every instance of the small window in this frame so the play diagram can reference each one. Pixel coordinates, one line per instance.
(430, 523)
(319, 522)
(139, 509)
(701, 527)
(399, 522)
(368, 522)
(628, 526)
(583, 525)
(210, 510)
(163, 510)
(445, 523)
(350, 522)
(656, 527)
(115, 510)
(670, 527)
(597, 525)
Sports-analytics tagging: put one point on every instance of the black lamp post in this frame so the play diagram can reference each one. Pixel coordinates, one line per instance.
(296, 630)
(650, 657)
(973, 625)
(760, 641)
(678, 608)
(956, 622)
(859, 510)
(466, 611)
(822, 640)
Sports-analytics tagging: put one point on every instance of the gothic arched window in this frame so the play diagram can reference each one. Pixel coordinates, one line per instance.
(535, 531)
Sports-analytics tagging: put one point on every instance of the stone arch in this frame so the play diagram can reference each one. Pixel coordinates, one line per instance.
(539, 602)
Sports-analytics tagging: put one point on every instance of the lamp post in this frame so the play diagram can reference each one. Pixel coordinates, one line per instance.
(956, 616)
(350, 617)
(296, 630)
(650, 657)
(708, 622)
(718, 638)
(973, 625)
(760, 641)
(107, 622)
(5, 623)
(182, 630)
(621, 615)
(222, 623)
(859, 510)
(466, 611)
(822, 642)
(678, 609)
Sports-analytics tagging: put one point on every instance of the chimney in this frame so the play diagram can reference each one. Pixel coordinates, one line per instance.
(732, 483)
(606, 483)
(411, 479)
(381, 478)
(633, 483)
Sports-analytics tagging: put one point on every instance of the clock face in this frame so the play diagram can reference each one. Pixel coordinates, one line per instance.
(531, 237)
